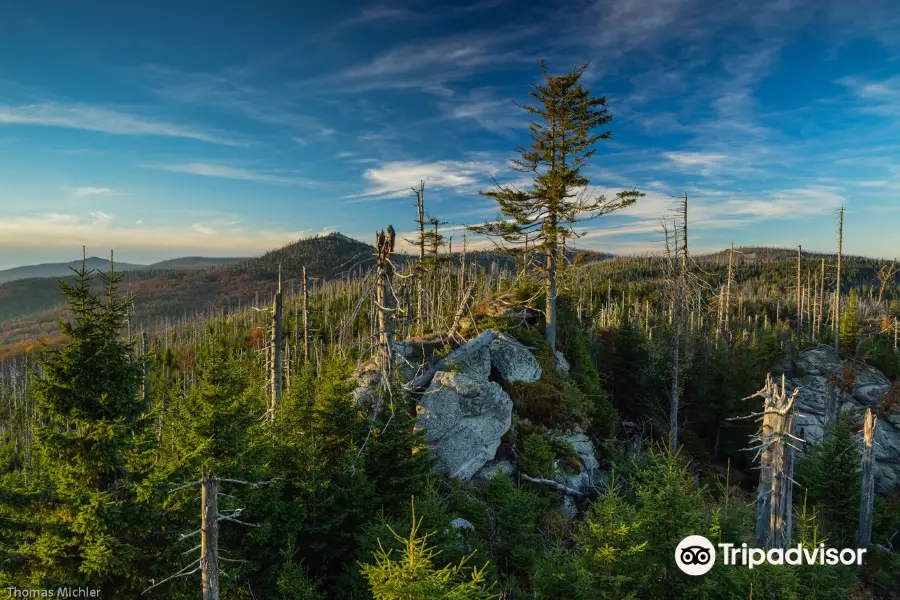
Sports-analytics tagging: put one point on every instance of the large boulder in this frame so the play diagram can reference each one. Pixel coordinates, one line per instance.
(589, 474)
(476, 365)
(410, 355)
(513, 361)
(494, 468)
(869, 386)
(464, 418)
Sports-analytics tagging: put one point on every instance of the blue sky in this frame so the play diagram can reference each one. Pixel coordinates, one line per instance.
(223, 128)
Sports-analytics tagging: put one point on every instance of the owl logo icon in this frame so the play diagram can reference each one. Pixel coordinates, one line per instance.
(695, 555)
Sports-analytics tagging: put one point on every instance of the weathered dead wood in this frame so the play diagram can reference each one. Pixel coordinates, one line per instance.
(464, 305)
(774, 500)
(305, 291)
(554, 484)
(276, 366)
(864, 533)
(209, 538)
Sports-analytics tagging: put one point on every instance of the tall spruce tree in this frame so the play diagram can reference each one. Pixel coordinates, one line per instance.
(563, 135)
(89, 402)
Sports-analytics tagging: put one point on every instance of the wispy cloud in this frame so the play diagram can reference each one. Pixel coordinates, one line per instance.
(491, 112)
(230, 93)
(81, 192)
(430, 65)
(880, 98)
(101, 219)
(394, 179)
(229, 172)
(704, 161)
(104, 120)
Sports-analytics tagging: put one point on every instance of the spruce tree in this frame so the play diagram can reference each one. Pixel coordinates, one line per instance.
(563, 137)
(414, 576)
(89, 406)
(831, 474)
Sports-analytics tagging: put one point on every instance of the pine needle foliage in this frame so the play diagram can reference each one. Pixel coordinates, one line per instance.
(87, 395)
(566, 127)
(413, 575)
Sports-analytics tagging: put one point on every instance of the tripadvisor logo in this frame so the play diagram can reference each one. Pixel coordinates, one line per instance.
(696, 555)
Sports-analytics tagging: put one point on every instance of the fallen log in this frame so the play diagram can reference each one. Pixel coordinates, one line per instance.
(559, 487)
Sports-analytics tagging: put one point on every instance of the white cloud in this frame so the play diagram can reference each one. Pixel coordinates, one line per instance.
(227, 172)
(394, 179)
(101, 219)
(201, 229)
(344, 154)
(706, 163)
(92, 191)
(429, 65)
(498, 115)
(92, 118)
(881, 98)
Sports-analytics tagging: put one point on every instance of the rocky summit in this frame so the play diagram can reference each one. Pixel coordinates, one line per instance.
(825, 382)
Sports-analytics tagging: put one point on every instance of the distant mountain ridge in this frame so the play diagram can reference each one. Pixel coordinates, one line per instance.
(62, 269)
(30, 308)
(196, 262)
(102, 264)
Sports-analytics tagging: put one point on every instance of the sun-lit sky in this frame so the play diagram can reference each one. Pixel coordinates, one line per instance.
(165, 129)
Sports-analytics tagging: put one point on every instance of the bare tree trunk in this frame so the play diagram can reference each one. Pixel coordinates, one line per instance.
(464, 305)
(305, 291)
(145, 386)
(684, 234)
(277, 366)
(821, 302)
(383, 306)
(728, 295)
(864, 533)
(775, 444)
(209, 538)
(420, 221)
(799, 299)
(550, 314)
(837, 290)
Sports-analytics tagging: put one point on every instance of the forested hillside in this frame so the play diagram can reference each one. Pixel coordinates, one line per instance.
(337, 420)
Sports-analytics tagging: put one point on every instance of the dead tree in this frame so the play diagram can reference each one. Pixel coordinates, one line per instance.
(684, 234)
(464, 306)
(276, 366)
(681, 286)
(384, 305)
(775, 450)
(305, 291)
(864, 533)
(420, 242)
(799, 299)
(209, 537)
(837, 289)
(885, 276)
(209, 562)
(727, 315)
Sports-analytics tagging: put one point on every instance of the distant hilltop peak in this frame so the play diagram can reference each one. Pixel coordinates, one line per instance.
(336, 235)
